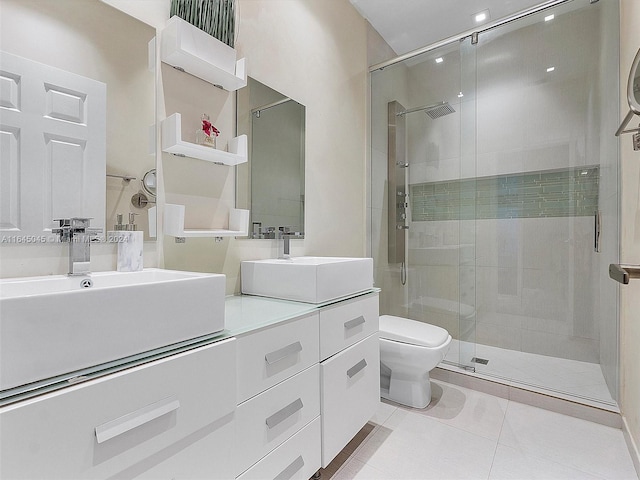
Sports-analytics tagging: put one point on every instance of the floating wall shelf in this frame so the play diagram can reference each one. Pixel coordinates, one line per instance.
(191, 50)
(172, 143)
(174, 224)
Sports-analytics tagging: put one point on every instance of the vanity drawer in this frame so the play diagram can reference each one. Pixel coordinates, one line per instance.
(350, 394)
(346, 323)
(134, 423)
(296, 459)
(268, 419)
(268, 356)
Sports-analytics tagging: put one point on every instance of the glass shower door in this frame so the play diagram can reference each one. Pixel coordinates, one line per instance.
(467, 207)
(422, 209)
(546, 177)
(510, 174)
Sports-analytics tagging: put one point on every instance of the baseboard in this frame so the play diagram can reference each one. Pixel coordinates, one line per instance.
(529, 397)
(634, 451)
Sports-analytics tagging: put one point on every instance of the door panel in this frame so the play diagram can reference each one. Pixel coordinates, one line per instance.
(53, 145)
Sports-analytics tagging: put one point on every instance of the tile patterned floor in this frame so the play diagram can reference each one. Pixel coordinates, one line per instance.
(465, 434)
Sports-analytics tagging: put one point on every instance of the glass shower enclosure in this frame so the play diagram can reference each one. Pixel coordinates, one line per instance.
(494, 198)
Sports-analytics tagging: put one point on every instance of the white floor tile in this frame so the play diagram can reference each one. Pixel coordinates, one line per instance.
(465, 434)
(356, 470)
(475, 412)
(514, 464)
(384, 411)
(570, 441)
(412, 446)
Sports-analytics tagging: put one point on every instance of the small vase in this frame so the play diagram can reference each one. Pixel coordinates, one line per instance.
(206, 140)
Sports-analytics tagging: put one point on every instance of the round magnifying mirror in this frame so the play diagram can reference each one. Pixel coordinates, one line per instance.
(633, 87)
(633, 96)
(149, 182)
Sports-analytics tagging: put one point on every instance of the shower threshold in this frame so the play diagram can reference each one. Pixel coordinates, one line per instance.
(571, 380)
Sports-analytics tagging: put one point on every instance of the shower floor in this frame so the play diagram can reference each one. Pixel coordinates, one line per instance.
(571, 379)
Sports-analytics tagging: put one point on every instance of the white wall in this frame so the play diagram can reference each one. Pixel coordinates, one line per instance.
(630, 237)
(315, 53)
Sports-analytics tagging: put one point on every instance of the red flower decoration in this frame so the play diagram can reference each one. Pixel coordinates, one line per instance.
(206, 127)
(209, 129)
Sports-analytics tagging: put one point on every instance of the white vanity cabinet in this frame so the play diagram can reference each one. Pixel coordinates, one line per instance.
(349, 371)
(171, 418)
(306, 386)
(273, 354)
(270, 418)
(279, 397)
(345, 323)
(296, 459)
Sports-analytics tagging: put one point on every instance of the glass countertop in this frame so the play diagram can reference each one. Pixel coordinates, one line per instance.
(243, 314)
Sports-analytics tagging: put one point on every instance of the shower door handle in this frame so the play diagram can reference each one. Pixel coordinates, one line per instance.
(597, 230)
(623, 273)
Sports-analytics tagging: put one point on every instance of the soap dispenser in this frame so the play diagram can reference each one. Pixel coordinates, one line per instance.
(118, 226)
(130, 246)
(131, 226)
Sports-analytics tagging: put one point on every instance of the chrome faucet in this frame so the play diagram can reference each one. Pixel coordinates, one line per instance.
(78, 234)
(285, 234)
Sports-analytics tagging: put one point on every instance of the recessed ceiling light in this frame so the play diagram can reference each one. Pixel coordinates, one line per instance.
(551, 69)
(439, 60)
(460, 95)
(548, 18)
(482, 16)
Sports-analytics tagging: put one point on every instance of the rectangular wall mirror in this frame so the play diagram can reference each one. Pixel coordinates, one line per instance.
(271, 183)
(79, 106)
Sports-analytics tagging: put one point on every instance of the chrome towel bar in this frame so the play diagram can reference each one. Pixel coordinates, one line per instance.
(623, 273)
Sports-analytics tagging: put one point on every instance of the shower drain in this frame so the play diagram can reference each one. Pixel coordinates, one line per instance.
(482, 361)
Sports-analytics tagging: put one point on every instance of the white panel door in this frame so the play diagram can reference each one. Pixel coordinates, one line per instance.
(52, 147)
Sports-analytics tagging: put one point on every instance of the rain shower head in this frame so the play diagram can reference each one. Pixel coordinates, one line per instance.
(436, 110)
(439, 110)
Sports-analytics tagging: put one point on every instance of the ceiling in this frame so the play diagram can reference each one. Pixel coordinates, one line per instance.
(407, 25)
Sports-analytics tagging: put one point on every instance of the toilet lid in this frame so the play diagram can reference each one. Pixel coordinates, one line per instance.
(412, 331)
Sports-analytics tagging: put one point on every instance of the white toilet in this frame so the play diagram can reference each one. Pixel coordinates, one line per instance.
(409, 350)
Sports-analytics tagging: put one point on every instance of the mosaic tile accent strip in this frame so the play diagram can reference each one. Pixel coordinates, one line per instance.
(569, 192)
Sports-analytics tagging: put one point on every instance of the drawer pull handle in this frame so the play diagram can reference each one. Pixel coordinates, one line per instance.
(288, 472)
(356, 368)
(284, 352)
(286, 412)
(127, 422)
(354, 323)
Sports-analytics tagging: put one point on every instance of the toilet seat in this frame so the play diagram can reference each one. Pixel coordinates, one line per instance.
(411, 331)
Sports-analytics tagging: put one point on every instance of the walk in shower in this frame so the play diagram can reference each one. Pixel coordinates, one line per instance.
(494, 197)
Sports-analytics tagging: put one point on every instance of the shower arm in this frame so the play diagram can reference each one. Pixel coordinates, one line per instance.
(419, 109)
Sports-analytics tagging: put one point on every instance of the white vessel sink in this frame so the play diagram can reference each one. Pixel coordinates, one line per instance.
(307, 279)
(53, 325)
